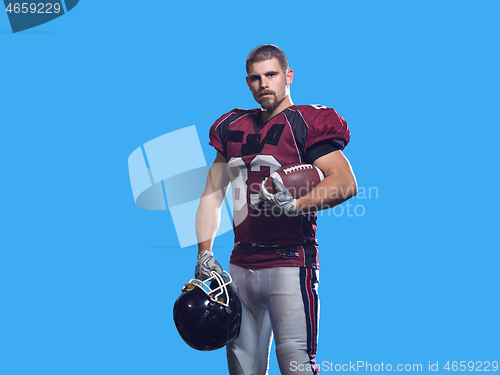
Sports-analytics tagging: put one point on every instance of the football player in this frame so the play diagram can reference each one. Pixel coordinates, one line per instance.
(274, 263)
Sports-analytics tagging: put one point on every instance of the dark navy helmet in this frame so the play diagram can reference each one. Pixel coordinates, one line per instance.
(207, 314)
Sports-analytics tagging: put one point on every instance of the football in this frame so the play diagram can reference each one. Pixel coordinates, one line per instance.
(298, 178)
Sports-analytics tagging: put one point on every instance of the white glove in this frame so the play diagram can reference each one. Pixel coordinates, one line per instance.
(206, 264)
(282, 199)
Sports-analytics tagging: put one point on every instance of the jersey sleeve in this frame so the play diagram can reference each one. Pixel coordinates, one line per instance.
(322, 148)
(218, 133)
(323, 124)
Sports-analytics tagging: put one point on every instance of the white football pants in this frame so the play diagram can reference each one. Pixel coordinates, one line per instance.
(283, 301)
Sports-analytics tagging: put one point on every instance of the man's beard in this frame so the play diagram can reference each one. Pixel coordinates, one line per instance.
(269, 103)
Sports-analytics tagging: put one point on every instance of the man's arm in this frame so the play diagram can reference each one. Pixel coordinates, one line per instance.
(338, 185)
(208, 214)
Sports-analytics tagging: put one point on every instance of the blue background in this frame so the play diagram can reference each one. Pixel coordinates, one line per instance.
(88, 280)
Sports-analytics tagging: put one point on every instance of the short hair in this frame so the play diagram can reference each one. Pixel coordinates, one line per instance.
(267, 52)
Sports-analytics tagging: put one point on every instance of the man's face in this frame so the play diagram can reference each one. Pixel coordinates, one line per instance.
(268, 83)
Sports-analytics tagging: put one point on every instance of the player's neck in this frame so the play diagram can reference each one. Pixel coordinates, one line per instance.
(285, 103)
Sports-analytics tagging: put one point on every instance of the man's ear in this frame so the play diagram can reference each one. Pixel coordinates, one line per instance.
(248, 83)
(289, 76)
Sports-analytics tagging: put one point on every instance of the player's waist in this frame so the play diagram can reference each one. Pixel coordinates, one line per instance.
(254, 248)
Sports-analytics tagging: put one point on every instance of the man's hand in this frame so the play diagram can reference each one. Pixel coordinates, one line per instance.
(282, 199)
(206, 264)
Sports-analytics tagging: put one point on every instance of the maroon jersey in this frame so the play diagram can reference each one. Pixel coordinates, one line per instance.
(253, 151)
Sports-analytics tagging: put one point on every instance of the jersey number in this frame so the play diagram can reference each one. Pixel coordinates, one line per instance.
(319, 106)
(241, 178)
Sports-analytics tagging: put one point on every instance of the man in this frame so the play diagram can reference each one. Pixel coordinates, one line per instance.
(274, 264)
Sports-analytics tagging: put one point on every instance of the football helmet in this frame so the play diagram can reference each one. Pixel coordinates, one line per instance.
(207, 314)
